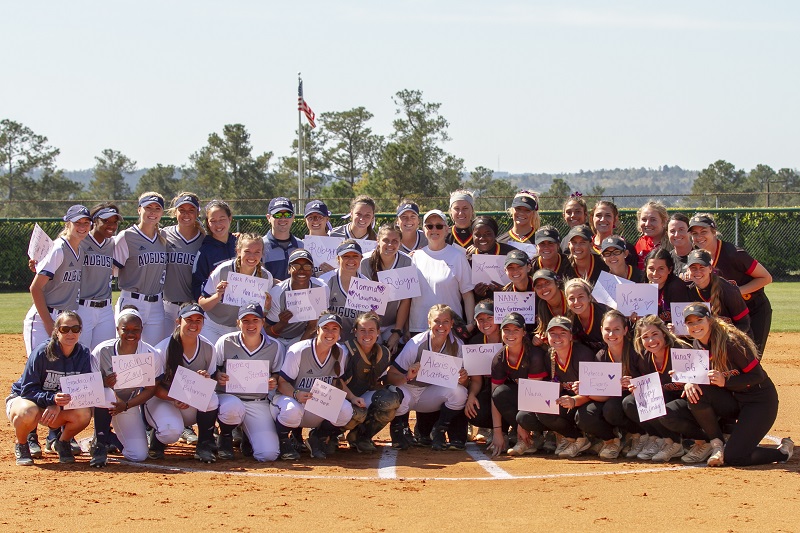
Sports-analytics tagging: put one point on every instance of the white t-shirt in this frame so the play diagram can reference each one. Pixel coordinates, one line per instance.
(444, 276)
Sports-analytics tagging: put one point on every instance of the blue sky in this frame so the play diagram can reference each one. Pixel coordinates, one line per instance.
(526, 86)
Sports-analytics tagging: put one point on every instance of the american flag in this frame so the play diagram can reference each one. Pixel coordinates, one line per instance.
(303, 106)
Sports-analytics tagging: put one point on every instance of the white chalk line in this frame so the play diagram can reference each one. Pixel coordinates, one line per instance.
(487, 464)
(387, 468)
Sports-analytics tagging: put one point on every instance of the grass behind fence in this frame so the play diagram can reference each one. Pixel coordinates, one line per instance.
(784, 297)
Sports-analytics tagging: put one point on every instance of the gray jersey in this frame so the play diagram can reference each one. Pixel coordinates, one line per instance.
(63, 266)
(203, 358)
(301, 366)
(103, 354)
(230, 346)
(180, 262)
(337, 301)
(412, 352)
(141, 261)
(222, 313)
(278, 294)
(422, 242)
(389, 319)
(97, 268)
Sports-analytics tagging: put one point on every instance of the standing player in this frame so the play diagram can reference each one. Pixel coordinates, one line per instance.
(525, 222)
(653, 219)
(279, 241)
(317, 218)
(362, 217)
(218, 246)
(140, 254)
(723, 297)
(575, 212)
(585, 263)
(183, 242)
(549, 255)
(408, 222)
(604, 221)
(462, 211)
(585, 313)
(615, 254)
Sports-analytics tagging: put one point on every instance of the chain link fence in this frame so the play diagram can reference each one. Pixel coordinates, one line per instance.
(770, 235)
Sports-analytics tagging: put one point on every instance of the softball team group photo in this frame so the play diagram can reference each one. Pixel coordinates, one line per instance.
(337, 374)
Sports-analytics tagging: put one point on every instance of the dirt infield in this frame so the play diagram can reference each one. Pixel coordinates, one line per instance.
(447, 491)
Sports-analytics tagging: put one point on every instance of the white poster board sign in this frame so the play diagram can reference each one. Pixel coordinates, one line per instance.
(402, 282)
(678, 320)
(599, 379)
(322, 249)
(538, 396)
(191, 388)
(366, 295)
(247, 377)
(438, 369)
(40, 244)
(639, 298)
(135, 370)
(326, 401)
(85, 390)
(649, 396)
(489, 269)
(478, 358)
(523, 303)
(306, 304)
(690, 366)
(243, 289)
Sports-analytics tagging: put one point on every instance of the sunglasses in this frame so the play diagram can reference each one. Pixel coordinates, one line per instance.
(283, 214)
(66, 329)
(612, 253)
(432, 226)
(303, 266)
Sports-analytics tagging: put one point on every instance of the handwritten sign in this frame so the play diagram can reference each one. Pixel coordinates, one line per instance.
(322, 249)
(523, 303)
(438, 369)
(243, 289)
(678, 320)
(538, 396)
(649, 396)
(367, 295)
(402, 282)
(602, 296)
(639, 298)
(247, 376)
(689, 366)
(610, 282)
(366, 246)
(600, 379)
(135, 370)
(326, 401)
(306, 304)
(40, 244)
(528, 248)
(489, 269)
(478, 358)
(85, 390)
(191, 388)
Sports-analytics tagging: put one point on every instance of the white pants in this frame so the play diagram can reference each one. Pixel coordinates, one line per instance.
(129, 427)
(98, 325)
(256, 419)
(171, 311)
(33, 329)
(213, 331)
(152, 317)
(431, 398)
(292, 414)
(169, 421)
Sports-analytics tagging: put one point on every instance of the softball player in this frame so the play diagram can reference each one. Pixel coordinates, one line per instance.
(123, 405)
(218, 245)
(317, 218)
(575, 212)
(338, 281)
(408, 222)
(680, 239)
(615, 254)
(222, 317)
(585, 263)
(525, 221)
(550, 301)
(548, 253)
(56, 285)
(462, 211)
(309, 360)
(362, 218)
(604, 222)
(484, 241)
(586, 314)
(168, 417)
(478, 408)
(660, 271)
(653, 219)
(183, 242)
(724, 298)
(140, 254)
(250, 410)
(94, 304)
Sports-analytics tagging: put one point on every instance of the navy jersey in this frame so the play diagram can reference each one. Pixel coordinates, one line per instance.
(41, 378)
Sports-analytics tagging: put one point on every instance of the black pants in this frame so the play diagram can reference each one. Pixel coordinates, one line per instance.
(614, 414)
(590, 420)
(654, 426)
(563, 423)
(758, 409)
(760, 323)
(483, 418)
(505, 398)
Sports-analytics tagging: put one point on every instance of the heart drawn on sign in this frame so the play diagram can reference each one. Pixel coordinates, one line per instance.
(611, 376)
(547, 402)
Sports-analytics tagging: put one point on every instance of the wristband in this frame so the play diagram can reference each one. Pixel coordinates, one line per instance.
(398, 331)
(126, 406)
(294, 394)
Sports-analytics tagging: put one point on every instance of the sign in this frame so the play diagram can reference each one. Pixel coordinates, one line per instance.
(243, 289)
(438, 369)
(599, 379)
(85, 390)
(326, 401)
(602, 296)
(134, 371)
(489, 269)
(678, 320)
(478, 358)
(689, 366)
(247, 377)
(191, 388)
(528, 248)
(306, 304)
(639, 298)
(523, 303)
(366, 246)
(538, 396)
(322, 249)
(402, 282)
(40, 244)
(610, 282)
(649, 396)
(366, 295)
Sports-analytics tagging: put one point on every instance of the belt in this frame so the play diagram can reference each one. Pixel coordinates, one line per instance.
(253, 399)
(51, 309)
(179, 304)
(146, 297)
(95, 303)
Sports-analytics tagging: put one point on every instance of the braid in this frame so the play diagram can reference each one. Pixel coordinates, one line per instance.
(174, 355)
(375, 264)
(716, 294)
(237, 264)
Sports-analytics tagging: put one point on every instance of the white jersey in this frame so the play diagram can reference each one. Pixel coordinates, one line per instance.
(141, 261)
(337, 301)
(222, 313)
(389, 318)
(301, 366)
(231, 346)
(203, 358)
(181, 255)
(63, 266)
(412, 352)
(278, 293)
(102, 361)
(97, 268)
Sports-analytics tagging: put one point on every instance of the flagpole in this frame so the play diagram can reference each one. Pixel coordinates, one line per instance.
(300, 174)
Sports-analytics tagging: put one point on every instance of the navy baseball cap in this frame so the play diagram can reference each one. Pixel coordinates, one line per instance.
(317, 206)
(251, 309)
(300, 253)
(702, 220)
(327, 318)
(516, 257)
(75, 213)
(545, 234)
(544, 273)
(276, 205)
(187, 199)
(699, 257)
(613, 242)
(407, 206)
(106, 212)
(696, 309)
(513, 318)
(583, 231)
(191, 309)
(560, 322)
(351, 246)
(525, 200)
(151, 199)
(486, 307)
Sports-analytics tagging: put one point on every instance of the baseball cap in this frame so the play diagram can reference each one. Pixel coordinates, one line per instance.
(151, 199)
(187, 199)
(407, 206)
(545, 273)
(702, 220)
(560, 322)
(317, 206)
(613, 242)
(276, 205)
(516, 257)
(327, 318)
(482, 308)
(525, 200)
(581, 231)
(434, 212)
(75, 213)
(300, 253)
(251, 309)
(698, 257)
(106, 212)
(485, 221)
(696, 309)
(513, 318)
(546, 234)
(351, 246)
(191, 309)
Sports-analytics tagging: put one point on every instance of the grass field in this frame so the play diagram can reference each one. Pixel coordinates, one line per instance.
(784, 298)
